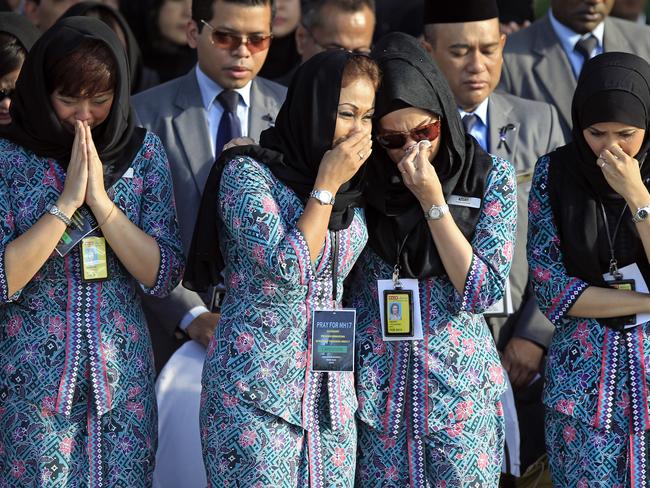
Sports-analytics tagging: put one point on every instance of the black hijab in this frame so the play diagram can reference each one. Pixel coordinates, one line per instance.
(133, 53)
(292, 150)
(35, 125)
(613, 87)
(18, 26)
(396, 223)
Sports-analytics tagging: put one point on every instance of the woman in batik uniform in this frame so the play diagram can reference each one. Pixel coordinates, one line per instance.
(77, 405)
(429, 409)
(266, 418)
(588, 217)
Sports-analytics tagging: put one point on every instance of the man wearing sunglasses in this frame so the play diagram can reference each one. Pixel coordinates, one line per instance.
(333, 24)
(195, 115)
(464, 39)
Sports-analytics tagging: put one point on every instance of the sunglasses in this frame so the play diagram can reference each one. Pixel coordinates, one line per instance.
(227, 40)
(6, 93)
(396, 140)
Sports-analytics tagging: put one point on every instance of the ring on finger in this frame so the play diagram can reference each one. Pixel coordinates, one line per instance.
(360, 154)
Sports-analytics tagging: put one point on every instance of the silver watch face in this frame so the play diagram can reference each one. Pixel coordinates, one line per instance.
(323, 196)
(435, 213)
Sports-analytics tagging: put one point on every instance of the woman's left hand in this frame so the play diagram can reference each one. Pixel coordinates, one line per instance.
(622, 172)
(96, 196)
(420, 176)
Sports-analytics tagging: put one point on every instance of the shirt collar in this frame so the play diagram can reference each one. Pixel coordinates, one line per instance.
(210, 89)
(481, 111)
(568, 38)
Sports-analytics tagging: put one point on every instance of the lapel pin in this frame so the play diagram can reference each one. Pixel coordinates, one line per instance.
(503, 132)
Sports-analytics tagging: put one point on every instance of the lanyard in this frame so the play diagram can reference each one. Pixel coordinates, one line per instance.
(396, 268)
(335, 263)
(611, 240)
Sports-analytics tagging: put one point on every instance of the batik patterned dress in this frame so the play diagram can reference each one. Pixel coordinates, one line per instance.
(596, 390)
(77, 404)
(266, 419)
(429, 410)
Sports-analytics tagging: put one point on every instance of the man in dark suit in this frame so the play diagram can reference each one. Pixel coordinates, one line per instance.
(465, 41)
(543, 61)
(194, 115)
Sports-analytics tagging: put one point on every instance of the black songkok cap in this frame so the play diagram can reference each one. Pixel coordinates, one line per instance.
(449, 12)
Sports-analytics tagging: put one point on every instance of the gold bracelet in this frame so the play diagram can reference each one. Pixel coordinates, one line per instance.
(109, 215)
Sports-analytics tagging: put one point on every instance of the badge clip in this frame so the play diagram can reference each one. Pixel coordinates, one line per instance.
(613, 269)
(396, 282)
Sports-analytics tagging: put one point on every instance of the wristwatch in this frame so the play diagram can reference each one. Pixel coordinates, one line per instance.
(641, 214)
(436, 212)
(54, 210)
(324, 197)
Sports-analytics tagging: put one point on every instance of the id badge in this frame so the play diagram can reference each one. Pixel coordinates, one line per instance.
(94, 264)
(620, 322)
(332, 339)
(398, 311)
(83, 225)
(403, 303)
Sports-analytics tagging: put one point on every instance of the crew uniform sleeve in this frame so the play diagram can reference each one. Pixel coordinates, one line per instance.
(158, 218)
(253, 219)
(7, 234)
(555, 290)
(493, 241)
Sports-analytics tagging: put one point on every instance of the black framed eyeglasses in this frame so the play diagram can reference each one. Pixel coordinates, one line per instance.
(363, 51)
(6, 93)
(230, 41)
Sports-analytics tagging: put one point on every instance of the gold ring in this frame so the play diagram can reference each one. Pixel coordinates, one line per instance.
(360, 154)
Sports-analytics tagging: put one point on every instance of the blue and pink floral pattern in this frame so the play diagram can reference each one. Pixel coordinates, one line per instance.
(440, 383)
(258, 360)
(596, 375)
(59, 332)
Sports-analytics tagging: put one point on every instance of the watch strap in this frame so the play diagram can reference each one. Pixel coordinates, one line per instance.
(321, 196)
(56, 211)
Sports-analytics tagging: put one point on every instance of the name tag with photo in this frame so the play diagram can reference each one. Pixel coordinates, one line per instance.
(460, 201)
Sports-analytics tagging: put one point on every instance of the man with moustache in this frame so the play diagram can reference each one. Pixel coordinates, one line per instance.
(465, 41)
(194, 116)
(187, 113)
(543, 61)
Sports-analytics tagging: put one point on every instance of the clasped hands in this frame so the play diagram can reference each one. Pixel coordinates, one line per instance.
(84, 182)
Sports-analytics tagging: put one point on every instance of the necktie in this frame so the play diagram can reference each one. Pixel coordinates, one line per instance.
(469, 121)
(586, 46)
(229, 127)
